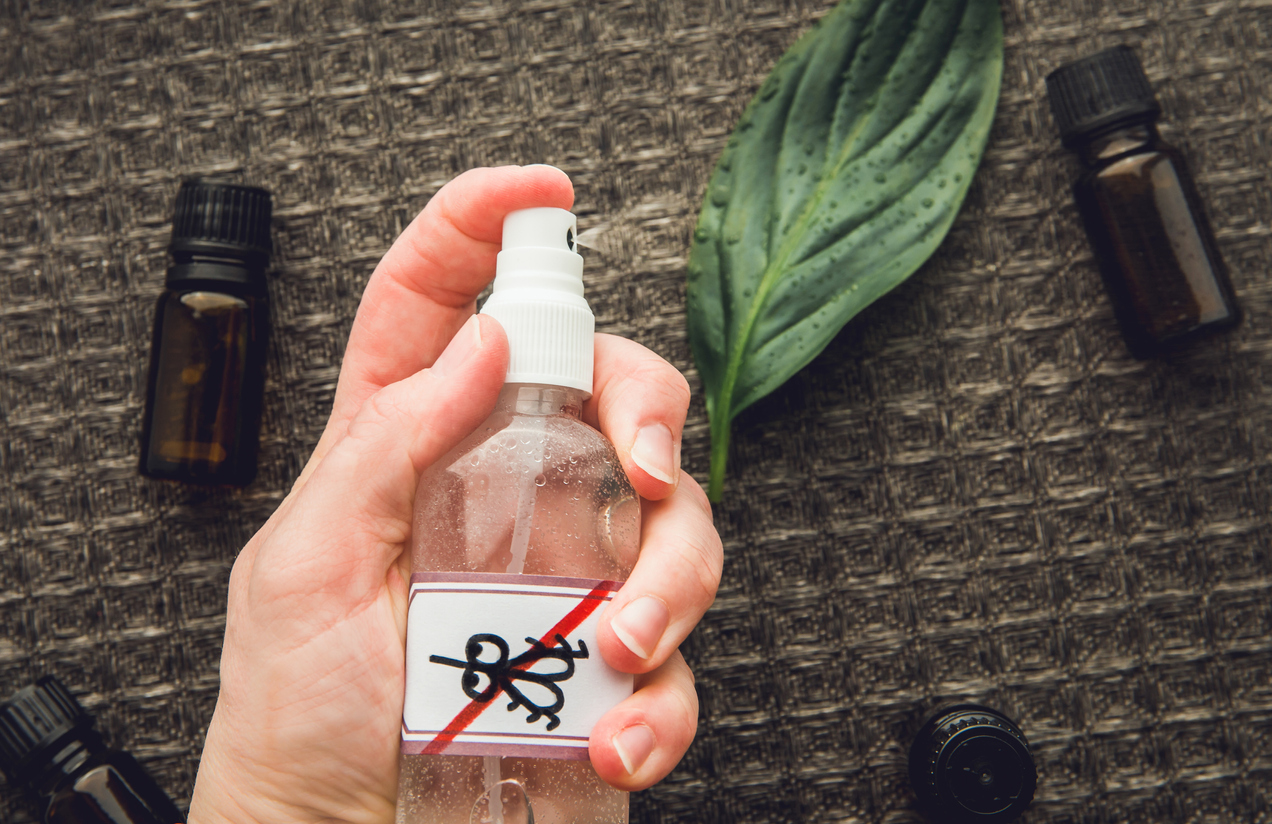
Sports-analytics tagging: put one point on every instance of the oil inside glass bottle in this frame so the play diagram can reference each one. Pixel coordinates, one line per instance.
(1140, 207)
(207, 376)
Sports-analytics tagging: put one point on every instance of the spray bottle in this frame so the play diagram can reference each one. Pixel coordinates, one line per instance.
(521, 535)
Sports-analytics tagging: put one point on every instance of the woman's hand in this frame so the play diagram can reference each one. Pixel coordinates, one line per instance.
(307, 724)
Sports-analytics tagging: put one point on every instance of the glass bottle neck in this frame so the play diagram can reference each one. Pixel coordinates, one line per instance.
(65, 761)
(1122, 140)
(238, 275)
(540, 400)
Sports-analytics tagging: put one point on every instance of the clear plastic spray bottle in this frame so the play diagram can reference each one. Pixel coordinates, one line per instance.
(521, 535)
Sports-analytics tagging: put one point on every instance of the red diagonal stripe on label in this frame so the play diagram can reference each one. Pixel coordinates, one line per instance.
(563, 628)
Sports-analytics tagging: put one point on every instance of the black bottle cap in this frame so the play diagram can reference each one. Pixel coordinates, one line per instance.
(222, 219)
(1100, 92)
(33, 722)
(970, 763)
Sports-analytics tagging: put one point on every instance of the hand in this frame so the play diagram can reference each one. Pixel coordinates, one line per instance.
(307, 723)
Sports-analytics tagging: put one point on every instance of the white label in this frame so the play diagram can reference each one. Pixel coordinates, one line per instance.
(506, 665)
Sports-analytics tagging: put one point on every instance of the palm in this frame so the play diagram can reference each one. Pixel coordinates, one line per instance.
(328, 643)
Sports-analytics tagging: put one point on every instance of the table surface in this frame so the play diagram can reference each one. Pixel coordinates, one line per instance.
(973, 494)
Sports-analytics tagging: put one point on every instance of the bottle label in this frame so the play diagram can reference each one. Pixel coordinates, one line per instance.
(506, 665)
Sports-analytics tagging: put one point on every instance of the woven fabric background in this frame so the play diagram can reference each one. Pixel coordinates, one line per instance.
(974, 493)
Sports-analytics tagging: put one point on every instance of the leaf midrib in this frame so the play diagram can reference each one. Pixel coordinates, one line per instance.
(773, 270)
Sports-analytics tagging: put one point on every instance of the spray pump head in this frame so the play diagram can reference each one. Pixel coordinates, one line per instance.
(538, 299)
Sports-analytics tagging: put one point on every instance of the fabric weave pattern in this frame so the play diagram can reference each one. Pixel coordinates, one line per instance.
(973, 494)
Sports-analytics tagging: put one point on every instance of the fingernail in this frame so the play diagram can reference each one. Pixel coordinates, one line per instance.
(655, 452)
(640, 625)
(466, 341)
(544, 166)
(633, 745)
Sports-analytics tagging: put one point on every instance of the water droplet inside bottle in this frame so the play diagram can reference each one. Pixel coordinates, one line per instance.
(540, 479)
(503, 803)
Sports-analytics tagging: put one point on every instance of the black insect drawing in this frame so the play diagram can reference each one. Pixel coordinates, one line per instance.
(503, 674)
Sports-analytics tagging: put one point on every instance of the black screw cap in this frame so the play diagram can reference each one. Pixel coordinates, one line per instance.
(32, 721)
(970, 763)
(1100, 92)
(214, 217)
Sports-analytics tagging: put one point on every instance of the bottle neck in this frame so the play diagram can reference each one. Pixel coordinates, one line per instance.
(65, 758)
(541, 400)
(1125, 139)
(236, 275)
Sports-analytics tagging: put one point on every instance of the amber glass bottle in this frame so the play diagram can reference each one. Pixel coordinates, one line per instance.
(1140, 207)
(48, 748)
(207, 359)
(970, 764)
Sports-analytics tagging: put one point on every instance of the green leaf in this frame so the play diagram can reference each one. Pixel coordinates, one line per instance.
(840, 180)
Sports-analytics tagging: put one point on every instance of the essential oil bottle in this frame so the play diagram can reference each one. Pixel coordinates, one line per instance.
(1140, 207)
(521, 535)
(48, 748)
(207, 358)
(970, 764)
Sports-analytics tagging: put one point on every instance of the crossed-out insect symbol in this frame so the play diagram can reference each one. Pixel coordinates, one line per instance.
(502, 675)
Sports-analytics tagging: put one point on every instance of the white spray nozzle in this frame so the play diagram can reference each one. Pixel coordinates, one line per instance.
(540, 229)
(538, 299)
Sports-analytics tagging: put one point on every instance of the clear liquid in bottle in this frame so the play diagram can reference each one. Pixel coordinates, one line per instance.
(537, 492)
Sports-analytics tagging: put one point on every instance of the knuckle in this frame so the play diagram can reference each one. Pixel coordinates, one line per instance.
(687, 697)
(703, 546)
(376, 415)
(656, 372)
(691, 487)
(705, 566)
(648, 370)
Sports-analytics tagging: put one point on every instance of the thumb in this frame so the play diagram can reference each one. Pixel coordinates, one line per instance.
(348, 524)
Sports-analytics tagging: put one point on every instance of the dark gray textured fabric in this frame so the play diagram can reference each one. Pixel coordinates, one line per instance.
(974, 493)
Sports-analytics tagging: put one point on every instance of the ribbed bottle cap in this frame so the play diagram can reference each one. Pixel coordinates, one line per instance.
(970, 764)
(32, 720)
(218, 218)
(538, 299)
(1099, 92)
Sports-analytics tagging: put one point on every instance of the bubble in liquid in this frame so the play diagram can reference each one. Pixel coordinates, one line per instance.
(504, 803)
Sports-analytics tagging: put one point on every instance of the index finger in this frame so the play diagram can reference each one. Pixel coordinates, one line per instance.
(426, 285)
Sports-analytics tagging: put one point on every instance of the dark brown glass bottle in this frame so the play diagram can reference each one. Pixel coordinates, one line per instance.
(1152, 241)
(207, 358)
(48, 748)
(970, 764)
